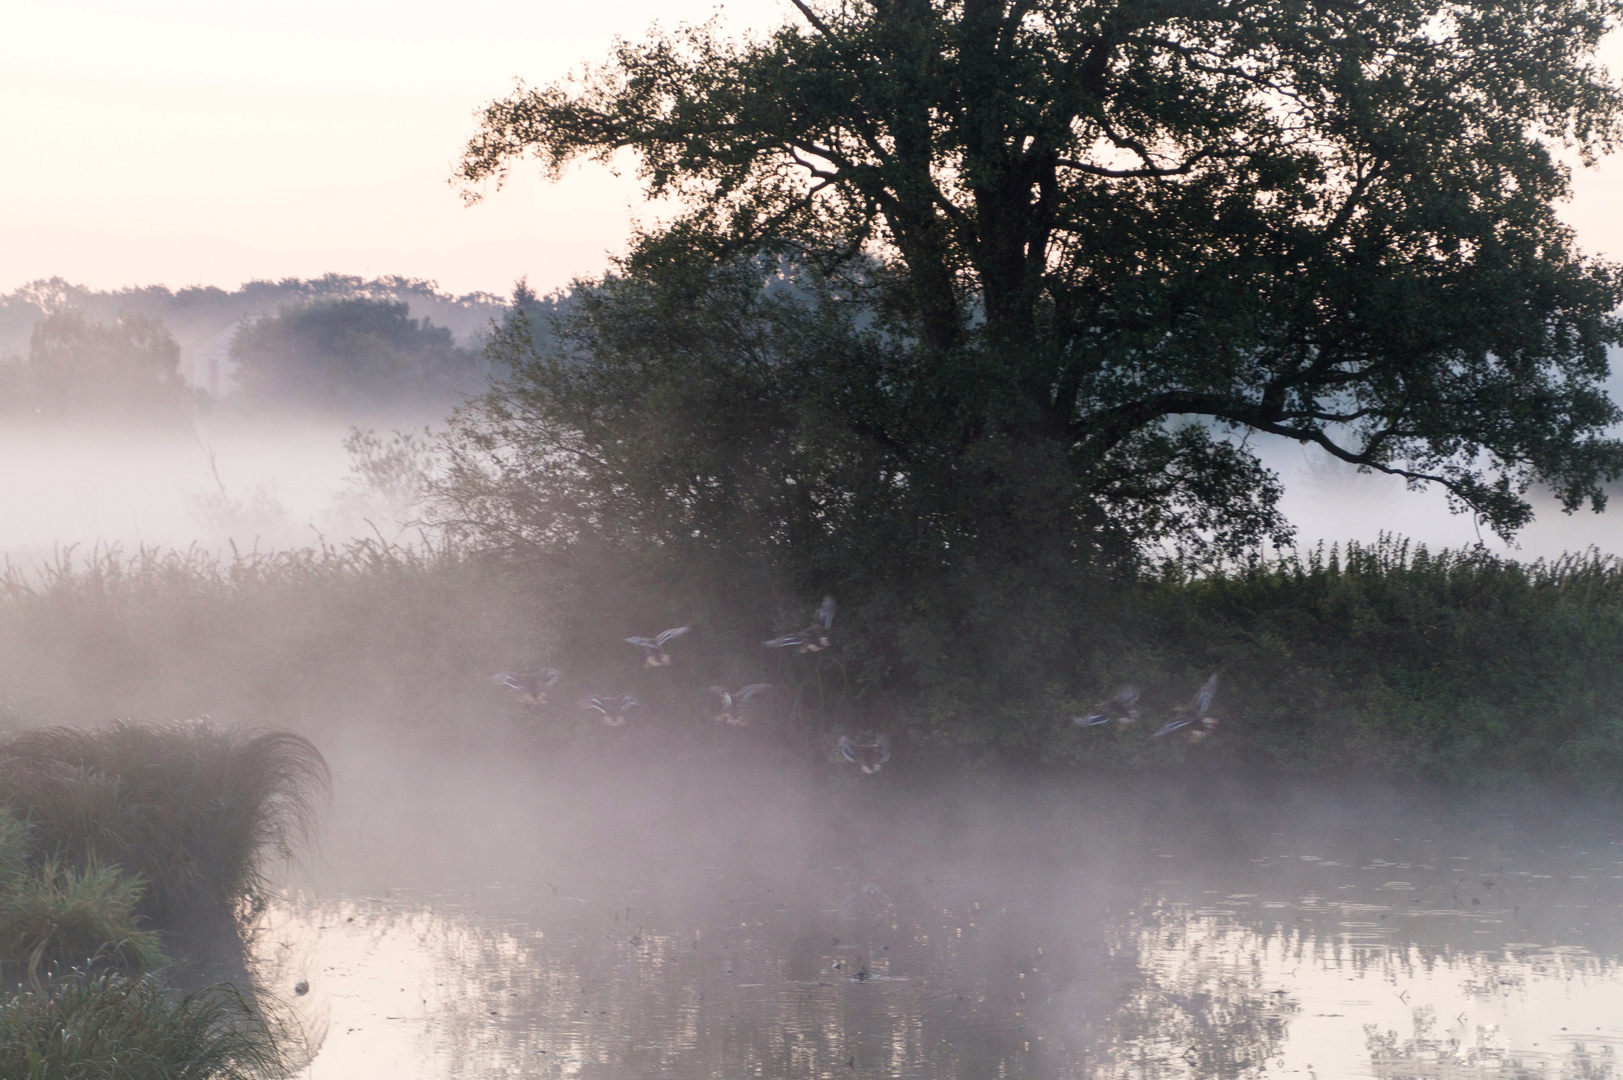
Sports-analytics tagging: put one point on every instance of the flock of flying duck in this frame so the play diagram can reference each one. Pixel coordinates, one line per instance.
(1191, 716)
(531, 688)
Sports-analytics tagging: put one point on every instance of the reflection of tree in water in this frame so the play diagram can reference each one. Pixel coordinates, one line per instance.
(826, 989)
(1427, 1055)
(1201, 1008)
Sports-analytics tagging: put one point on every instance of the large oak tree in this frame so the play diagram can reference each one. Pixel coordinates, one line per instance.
(971, 284)
(1331, 220)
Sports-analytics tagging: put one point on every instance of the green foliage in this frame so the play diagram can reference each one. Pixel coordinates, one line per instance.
(110, 1027)
(1075, 224)
(1455, 664)
(77, 366)
(191, 808)
(969, 310)
(348, 353)
(58, 918)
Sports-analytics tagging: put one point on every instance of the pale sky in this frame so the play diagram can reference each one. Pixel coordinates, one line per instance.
(187, 142)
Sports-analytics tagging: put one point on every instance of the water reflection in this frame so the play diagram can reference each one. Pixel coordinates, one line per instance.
(1452, 951)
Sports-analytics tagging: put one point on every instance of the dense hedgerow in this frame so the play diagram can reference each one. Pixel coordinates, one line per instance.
(1452, 662)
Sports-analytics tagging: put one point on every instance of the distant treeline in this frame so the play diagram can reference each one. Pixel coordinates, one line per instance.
(335, 343)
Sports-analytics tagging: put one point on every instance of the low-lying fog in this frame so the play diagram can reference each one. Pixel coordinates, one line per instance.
(284, 481)
(270, 482)
(510, 909)
(499, 915)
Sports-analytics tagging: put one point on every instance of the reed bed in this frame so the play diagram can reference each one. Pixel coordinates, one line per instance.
(367, 635)
(1385, 658)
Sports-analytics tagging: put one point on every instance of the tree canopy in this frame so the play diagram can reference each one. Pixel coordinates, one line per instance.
(1114, 235)
(967, 309)
(352, 352)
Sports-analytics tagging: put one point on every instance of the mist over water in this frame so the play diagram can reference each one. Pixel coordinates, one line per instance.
(513, 916)
(490, 902)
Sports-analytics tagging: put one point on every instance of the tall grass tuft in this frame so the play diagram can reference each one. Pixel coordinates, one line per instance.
(60, 917)
(91, 1027)
(193, 809)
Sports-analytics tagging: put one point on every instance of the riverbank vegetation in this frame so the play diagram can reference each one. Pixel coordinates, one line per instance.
(132, 868)
(977, 338)
(1387, 659)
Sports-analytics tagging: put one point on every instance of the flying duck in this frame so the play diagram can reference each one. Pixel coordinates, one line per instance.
(729, 697)
(613, 707)
(1193, 715)
(815, 637)
(870, 756)
(1119, 708)
(531, 686)
(655, 646)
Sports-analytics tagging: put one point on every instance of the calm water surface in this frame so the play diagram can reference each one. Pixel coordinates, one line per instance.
(472, 918)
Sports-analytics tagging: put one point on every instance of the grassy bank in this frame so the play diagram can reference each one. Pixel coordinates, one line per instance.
(1385, 658)
(133, 1028)
(126, 849)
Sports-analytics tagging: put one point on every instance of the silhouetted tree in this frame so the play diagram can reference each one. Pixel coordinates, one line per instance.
(968, 295)
(1332, 222)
